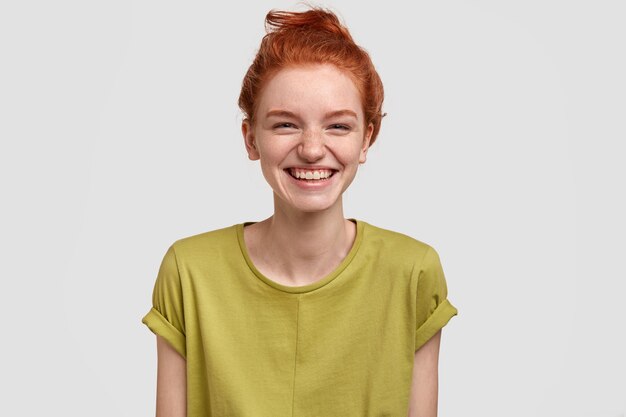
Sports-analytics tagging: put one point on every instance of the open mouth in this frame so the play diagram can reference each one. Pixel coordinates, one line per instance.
(323, 175)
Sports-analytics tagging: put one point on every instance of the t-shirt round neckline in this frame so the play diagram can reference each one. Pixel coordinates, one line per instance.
(302, 288)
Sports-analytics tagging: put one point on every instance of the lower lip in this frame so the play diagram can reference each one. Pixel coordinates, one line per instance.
(311, 185)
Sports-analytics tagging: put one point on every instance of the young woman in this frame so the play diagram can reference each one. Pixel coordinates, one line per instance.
(305, 313)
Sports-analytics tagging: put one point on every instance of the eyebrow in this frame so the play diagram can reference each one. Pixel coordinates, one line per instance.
(286, 113)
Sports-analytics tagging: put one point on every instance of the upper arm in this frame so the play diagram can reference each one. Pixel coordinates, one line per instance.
(171, 399)
(425, 381)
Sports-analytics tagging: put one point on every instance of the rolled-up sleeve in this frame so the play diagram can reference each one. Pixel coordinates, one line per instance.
(433, 309)
(166, 316)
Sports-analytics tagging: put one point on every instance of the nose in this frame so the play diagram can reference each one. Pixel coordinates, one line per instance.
(312, 146)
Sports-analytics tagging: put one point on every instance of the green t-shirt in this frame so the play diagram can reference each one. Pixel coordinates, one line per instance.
(342, 346)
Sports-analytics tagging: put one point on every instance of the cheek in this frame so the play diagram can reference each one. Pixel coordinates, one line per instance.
(269, 172)
(347, 153)
(271, 156)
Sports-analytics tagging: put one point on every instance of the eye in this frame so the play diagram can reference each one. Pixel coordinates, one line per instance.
(284, 125)
(339, 126)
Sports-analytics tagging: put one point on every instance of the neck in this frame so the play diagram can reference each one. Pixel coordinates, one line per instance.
(306, 243)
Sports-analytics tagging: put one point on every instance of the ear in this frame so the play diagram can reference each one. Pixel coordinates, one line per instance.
(366, 143)
(249, 140)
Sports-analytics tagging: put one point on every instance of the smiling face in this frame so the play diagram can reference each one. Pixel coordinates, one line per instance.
(310, 118)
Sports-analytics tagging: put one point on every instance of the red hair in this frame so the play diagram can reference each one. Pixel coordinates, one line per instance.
(312, 37)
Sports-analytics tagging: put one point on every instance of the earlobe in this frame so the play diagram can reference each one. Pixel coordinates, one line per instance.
(363, 157)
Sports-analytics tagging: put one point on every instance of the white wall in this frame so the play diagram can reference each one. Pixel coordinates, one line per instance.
(503, 148)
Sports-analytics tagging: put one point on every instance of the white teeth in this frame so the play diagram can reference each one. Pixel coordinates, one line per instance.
(311, 175)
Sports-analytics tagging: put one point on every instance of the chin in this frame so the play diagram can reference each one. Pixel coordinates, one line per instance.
(312, 209)
(311, 206)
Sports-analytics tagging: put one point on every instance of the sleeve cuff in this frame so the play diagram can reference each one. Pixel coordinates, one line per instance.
(161, 327)
(437, 320)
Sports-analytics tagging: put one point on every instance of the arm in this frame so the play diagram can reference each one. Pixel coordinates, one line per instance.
(424, 387)
(171, 399)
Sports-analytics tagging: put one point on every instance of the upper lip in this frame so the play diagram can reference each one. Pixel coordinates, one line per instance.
(312, 167)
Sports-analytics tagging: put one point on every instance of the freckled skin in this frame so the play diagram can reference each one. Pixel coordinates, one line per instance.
(308, 137)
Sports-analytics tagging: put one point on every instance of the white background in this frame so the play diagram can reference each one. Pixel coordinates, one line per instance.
(503, 148)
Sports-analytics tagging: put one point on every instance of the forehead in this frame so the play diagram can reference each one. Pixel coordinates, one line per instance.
(310, 89)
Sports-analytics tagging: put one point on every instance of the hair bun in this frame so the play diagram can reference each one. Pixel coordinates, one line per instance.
(316, 19)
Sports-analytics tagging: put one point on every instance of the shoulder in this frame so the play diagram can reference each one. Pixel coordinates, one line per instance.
(396, 244)
(207, 244)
